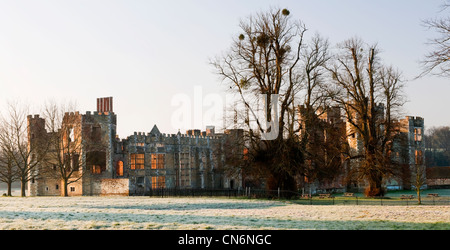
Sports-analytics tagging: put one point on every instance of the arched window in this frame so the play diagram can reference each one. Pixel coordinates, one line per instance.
(119, 168)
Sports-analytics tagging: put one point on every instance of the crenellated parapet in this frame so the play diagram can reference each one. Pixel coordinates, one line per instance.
(172, 139)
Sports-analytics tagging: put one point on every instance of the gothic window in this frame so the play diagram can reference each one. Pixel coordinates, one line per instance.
(157, 161)
(417, 134)
(184, 170)
(158, 182)
(419, 157)
(119, 168)
(137, 161)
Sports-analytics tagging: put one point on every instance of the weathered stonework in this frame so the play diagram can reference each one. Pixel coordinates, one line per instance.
(137, 164)
(408, 150)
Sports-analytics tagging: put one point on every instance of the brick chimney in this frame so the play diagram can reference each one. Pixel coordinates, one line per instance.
(105, 104)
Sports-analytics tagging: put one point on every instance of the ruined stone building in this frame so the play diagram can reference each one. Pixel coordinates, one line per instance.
(408, 153)
(134, 165)
(323, 133)
(104, 164)
(330, 127)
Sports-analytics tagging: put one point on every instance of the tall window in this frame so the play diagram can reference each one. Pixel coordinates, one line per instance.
(419, 157)
(157, 161)
(417, 134)
(96, 169)
(137, 161)
(119, 168)
(158, 182)
(184, 170)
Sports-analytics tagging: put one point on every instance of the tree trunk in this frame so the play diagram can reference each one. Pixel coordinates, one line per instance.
(374, 189)
(23, 184)
(65, 188)
(419, 200)
(374, 177)
(9, 189)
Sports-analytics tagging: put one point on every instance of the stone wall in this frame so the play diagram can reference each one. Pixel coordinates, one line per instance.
(106, 187)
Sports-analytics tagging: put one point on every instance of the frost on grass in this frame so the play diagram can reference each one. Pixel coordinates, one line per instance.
(93, 213)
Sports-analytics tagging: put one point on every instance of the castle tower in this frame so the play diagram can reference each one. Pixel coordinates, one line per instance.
(102, 126)
(415, 129)
(36, 134)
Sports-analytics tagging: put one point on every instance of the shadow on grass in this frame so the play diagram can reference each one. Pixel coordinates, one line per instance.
(192, 206)
(108, 220)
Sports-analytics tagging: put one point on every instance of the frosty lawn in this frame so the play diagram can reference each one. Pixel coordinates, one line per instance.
(208, 213)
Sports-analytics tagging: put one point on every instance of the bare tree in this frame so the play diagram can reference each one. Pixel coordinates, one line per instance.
(71, 145)
(438, 146)
(271, 57)
(263, 60)
(362, 83)
(437, 61)
(419, 180)
(64, 156)
(8, 170)
(14, 136)
(321, 128)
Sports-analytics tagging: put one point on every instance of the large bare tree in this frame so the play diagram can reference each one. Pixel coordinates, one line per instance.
(64, 156)
(261, 67)
(71, 145)
(274, 69)
(321, 129)
(14, 136)
(369, 94)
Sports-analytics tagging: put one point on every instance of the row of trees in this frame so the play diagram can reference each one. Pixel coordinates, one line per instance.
(272, 57)
(437, 152)
(54, 149)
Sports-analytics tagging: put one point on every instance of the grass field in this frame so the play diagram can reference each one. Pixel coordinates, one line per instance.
(209, 213)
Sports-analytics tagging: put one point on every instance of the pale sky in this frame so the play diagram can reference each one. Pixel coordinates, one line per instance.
(143, 53)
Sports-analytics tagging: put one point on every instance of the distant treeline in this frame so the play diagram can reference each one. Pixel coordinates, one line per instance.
(437, 141)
